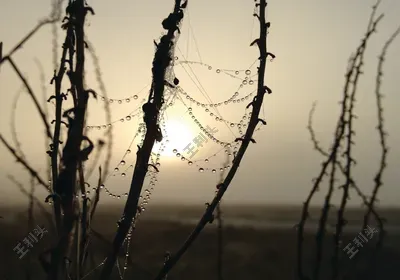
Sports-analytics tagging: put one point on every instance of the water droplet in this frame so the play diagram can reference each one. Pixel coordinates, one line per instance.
(122, 162)
(206, 160)
(209, 67)
(128, 151)
(190, 109)
(248, 72)
(116, 169)
(190, 162)
(213, 171)
(128, 118)
(183, 158)
(178, 154)
(176, 58)
(201, 169)
(232, 124)
(135, 97)
(127, 100)
(244, 82)
(218, 71)
(221, 169)
(237, 72)
(111, 100)
(251, 82)
(102, 186)
(122, 120)
(102, 99)
(174, 151)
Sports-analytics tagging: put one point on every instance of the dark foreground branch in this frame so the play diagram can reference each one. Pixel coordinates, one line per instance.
(151, 109)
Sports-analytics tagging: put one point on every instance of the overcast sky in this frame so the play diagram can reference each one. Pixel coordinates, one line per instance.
(312, 41)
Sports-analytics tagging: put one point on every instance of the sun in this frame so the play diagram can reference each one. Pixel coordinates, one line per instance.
(179, 136)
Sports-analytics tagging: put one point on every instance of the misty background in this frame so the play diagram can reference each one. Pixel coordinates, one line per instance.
(312, 41)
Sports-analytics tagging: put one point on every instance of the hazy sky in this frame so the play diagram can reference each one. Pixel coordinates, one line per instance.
(312, 40)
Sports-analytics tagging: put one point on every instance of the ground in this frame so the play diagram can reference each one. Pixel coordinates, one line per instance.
(259, 243)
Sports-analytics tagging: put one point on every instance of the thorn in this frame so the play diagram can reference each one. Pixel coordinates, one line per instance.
(256, 41)
(271, 55)
(51, 97)
(152, 165)
(267, 89)
(92, 92)
(262, 121)
(250, 104)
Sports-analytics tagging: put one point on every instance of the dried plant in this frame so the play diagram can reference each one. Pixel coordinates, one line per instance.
(344, 135)
(162, 61)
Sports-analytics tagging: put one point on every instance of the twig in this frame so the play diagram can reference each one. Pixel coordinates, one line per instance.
(72, 154)
(32, 95)
(384, 148)
(13, 126)
(350, 161)
(24, 163)
(103, 91)
(37, 201)
(162, 60)
(27, 37)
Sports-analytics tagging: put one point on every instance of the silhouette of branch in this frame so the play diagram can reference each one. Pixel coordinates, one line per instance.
(28, 36)
(350, 161)
(68, 48)
(312, 133)
(32, 95)
(13, 126)
(23, 162)
(103, 91)
(45, 111)
(384, 148)
(72, 154)
(220, 240)
(254, 119)
(39, 204)
(162, 60)
(344, 122)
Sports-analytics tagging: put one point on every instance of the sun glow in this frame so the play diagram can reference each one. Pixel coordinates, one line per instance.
(179, 135)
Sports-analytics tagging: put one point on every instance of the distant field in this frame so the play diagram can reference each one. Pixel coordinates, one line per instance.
(252, 249)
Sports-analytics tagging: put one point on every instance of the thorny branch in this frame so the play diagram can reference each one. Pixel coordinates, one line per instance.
(384, 148)
(24, 163)
(345, 125)
(31, 94)
(162, 60)
(73, 156)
